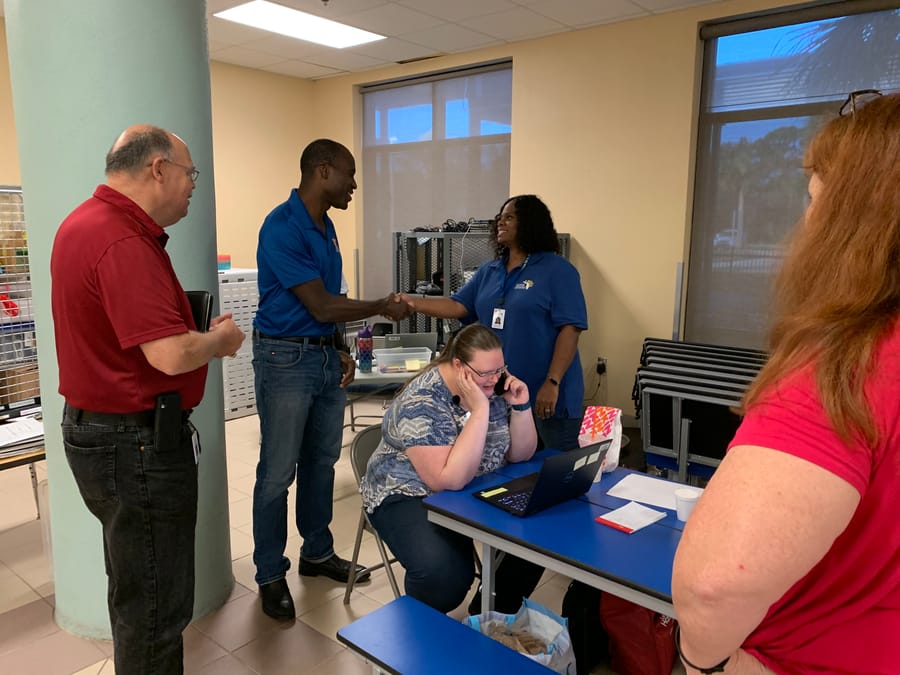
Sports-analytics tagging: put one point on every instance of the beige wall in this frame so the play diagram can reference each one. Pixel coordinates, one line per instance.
(603, 125)
(9, 151)
(261, 121)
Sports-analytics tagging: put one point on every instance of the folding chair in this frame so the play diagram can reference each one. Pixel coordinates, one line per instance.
(361, 448)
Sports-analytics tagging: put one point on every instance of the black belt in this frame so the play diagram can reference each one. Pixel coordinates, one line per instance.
(313, 341)
(145, 418)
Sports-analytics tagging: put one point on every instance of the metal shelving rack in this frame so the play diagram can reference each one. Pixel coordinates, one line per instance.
(18, 350)
(454, 256)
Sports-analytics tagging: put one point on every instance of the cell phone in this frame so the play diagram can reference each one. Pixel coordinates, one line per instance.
(499, 386)
(167, 423)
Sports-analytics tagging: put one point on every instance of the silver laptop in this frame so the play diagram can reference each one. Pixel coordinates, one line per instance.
(405, 340)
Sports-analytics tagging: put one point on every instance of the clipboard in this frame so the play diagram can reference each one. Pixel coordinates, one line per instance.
(201, 308)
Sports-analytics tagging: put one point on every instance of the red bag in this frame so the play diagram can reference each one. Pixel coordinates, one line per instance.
(642, 642)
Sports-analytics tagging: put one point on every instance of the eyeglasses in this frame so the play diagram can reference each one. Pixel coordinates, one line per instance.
(488, 373)
(192, 172)
(857, 99)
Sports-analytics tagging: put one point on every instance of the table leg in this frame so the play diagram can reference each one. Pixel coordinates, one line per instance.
(34, 487)
(488, 565)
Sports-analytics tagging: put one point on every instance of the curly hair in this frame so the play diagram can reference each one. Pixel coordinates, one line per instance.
(534, 231)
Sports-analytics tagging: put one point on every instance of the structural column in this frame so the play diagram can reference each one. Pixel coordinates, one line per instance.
(81, 72)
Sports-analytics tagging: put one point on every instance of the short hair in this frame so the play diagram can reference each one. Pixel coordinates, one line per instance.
(535, 231)
(838, 292)
(321, 151)
(137, 150)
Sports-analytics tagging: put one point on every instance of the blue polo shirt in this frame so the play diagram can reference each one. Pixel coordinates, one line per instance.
(293, 250)
(540, 297)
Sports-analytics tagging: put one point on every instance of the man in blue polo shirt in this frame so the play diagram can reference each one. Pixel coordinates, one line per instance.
(301, 371)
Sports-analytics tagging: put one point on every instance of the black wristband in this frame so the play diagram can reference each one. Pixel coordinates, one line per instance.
(521, 407)
(555, 383)
(718, 668)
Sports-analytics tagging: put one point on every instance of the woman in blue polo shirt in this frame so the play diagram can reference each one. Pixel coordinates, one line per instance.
(532, 298)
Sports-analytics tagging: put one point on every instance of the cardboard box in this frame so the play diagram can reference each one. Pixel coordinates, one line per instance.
(19, 384)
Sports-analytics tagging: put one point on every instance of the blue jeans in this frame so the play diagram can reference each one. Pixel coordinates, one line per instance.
(558, 433)
(146, 501)
(440, 564)
(301, 419)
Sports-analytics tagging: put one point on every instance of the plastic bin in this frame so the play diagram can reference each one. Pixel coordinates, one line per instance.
(402, 359)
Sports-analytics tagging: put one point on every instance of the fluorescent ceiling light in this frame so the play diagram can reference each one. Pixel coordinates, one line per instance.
(293, 23)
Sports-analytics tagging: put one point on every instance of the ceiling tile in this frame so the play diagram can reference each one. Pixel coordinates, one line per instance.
(341, 59)
(579, 13)
(213, 6)
(333, 9)
(391, 19)
(458, 9)
(300, 69)
(284, 46)
(232, 33)
(392, 50)
(242, 56)
(658, 6)
(514, 24)
(450, 38)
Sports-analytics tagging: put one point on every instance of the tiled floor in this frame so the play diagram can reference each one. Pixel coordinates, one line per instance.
(237, 639)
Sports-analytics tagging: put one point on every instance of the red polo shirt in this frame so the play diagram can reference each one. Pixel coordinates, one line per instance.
(114, 289)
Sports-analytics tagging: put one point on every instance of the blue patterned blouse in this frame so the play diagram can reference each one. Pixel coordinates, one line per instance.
(424, 414)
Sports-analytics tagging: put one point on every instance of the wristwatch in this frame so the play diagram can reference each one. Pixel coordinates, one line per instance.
(553, 381)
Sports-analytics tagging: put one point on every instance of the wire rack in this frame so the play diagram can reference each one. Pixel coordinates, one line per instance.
(18, 351)
(440, 263)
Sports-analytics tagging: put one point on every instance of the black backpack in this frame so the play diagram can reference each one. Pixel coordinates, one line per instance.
(581, 606)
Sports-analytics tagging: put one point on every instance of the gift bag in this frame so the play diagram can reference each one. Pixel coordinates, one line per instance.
(641, 641)
(534, 631)
(601, 422)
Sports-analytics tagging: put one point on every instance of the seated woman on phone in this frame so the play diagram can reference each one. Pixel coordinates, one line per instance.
(464, 415)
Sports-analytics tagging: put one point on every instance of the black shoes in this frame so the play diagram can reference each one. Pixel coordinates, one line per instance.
(277, 601)
(334, 568)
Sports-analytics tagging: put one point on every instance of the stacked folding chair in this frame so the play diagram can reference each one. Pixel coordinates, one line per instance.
(685, 394)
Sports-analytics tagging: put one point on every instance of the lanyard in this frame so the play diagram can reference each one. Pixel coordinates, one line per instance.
(511, 281)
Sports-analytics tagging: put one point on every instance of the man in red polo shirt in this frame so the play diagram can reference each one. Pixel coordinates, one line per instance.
(131, 367)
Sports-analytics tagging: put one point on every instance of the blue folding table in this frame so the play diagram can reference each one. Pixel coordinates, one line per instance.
(566, 539)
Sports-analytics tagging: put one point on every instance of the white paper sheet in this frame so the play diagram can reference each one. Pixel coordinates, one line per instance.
(631, 517)
(647, 490)
(19, 430)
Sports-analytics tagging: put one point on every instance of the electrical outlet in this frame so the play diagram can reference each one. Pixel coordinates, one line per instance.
(601, 365)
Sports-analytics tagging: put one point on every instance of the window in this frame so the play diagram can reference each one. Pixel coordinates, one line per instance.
(434, 149)
(768, 83)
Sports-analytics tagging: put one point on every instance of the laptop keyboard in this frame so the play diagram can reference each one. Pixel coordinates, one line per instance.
(516, 501)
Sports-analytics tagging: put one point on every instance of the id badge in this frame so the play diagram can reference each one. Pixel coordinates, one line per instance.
(499, 318)
(195, 443)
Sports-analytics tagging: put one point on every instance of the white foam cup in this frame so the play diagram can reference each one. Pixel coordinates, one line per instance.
(685, 500)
